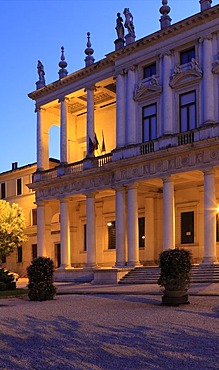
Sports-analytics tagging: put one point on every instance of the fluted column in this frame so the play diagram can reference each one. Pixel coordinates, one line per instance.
(133, 242)
(65, 235)
(167, 109)
(63, 131)
(120, 110)
(120, 227)
(41, 234)
(209, 217)
(168, 214)
(208, 81)
(90, 117)
(42, 141)
(130, 108)
(91, 230)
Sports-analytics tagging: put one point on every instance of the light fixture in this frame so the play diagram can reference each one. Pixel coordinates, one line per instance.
(109, 224)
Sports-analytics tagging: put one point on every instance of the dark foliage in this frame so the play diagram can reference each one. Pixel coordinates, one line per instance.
(40, 275)
(6, 280)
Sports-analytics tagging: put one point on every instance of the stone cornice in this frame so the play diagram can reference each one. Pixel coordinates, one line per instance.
(110, 59)
(122, 173)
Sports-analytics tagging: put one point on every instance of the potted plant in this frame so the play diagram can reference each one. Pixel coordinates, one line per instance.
(175, 276)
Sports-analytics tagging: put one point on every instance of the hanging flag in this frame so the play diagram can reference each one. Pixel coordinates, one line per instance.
(95, 143)
(103, 150)
(91, 146)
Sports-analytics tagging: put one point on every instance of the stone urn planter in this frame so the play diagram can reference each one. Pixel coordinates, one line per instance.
(175, 276)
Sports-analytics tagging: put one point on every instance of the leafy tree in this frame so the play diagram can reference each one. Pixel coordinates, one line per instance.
(12, 224)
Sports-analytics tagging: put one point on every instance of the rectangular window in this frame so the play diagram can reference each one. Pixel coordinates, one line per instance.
(85, 238)
(149, 70)
(3, 192)
(149, 125)
(187, 227)
(34, 216)
(19, 254)
(34, 251)
(111, 234)
(3, 259)
(187, 111)
(57, 255)
(141, 232)
(19, 187)
(187, 55)
(217, 227)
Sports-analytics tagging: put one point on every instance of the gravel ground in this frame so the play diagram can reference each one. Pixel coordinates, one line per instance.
(109, 332)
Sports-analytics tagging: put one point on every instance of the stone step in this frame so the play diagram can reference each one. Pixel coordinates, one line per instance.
(150, 275)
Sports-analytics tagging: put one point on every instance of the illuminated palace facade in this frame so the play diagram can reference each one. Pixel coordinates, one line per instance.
(139, 154)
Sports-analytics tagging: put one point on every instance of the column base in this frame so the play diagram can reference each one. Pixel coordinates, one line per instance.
(134, 264)
(65, 267)
(209, 261)
(119, 265)
(91, 266)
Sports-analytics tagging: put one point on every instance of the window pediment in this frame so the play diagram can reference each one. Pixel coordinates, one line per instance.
(144, 90)
(183, 76)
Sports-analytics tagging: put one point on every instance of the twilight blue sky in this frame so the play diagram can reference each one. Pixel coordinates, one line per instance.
(36, 29)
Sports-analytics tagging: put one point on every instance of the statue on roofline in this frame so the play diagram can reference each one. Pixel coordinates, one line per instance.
(41, 72)
(129, 21)
(119, 26)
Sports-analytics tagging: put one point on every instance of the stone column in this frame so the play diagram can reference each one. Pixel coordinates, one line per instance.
(208, 82)
(133, 242)
(131, 129)
(65, 235)
(42, 141)
(90, 117)
(63, 131)
(120, 227)
(210, 208)
(120, 110)
(167, 108)
(168, 214)
(91, 230)
(150, 228)
(41, 234)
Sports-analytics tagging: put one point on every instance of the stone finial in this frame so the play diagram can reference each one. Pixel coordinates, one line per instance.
(40, 69)
(89, 51)
(165, 20)
(62, 64)
(205, 4)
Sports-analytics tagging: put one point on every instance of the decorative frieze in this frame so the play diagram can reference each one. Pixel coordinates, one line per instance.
(151, 168)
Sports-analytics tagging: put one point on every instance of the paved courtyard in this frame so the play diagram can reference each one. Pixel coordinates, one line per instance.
(107, 331)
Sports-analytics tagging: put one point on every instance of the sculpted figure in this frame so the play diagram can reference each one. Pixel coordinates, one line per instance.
(41, 72)
(119, 27)
(129, 21)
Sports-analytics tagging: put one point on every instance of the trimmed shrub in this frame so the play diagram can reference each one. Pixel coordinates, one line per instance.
(6, 280)
(40, 275)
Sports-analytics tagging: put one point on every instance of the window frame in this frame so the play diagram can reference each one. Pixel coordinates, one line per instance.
(150, 67)
(19, 186)
(3, 190)
(187, 53)
(190, 237)
(187, 106)
(149, 117)
(19, 254)
(141, 240)
(111, 238)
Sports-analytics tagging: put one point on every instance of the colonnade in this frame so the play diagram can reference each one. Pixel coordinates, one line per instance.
(126, 215)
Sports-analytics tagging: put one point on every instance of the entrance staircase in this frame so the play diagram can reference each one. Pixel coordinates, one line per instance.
(150, 275)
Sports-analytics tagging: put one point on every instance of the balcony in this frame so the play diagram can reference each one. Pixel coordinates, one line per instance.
(142, 149)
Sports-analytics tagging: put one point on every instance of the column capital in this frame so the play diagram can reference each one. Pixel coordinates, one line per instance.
(119, 73)
(209, 171)
(63, 99)
(167, 53)
(90, 194)
(130, 69)
(207, 37)
(167, 179)
(134, 185)
(38, 108)
(90, 88)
